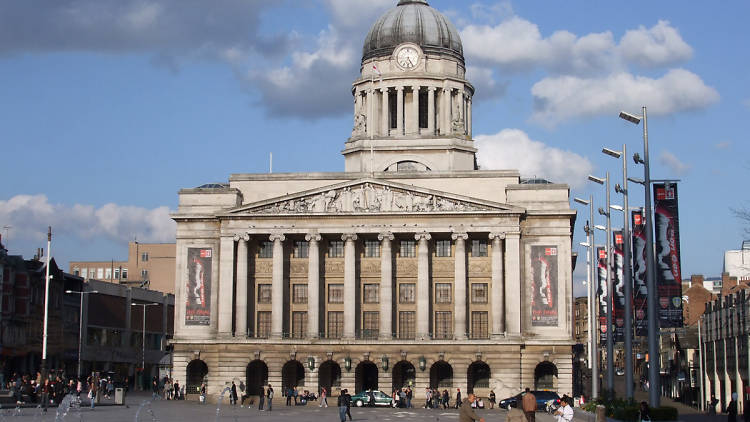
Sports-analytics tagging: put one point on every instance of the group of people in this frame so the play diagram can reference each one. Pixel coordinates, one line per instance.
(527, 413)
(167, 388)
(52, 390)
(434, 399)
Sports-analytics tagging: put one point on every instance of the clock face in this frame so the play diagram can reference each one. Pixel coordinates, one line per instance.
(408, 57)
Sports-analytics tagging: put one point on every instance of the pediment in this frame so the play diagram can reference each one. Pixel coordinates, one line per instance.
(370, 196)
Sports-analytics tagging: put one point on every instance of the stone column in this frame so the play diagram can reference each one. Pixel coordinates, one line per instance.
(277, 286)
(431, 110)
(385, 115)
(370, 112)
(498, 293)
(469, 130)
(226, 284)
(400, 110)
(350, 284)
(423, 284)
(459, 328)
(415, 109)
(513, 292)
(240, 324)
(386, 286)
(313, 286)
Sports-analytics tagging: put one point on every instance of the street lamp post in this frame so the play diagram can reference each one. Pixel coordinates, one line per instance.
(591, 276)
(46, 306)
(610, 334)
(653, 316)
(80, 324)
(143, 341)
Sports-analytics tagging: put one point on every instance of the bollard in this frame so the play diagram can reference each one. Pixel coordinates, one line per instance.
(601, 415)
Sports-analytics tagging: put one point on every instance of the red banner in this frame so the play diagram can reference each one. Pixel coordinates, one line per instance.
(198, 287)
(601, 292)
(640, 291)
(667, 265)
(544, 310)
(618, 255)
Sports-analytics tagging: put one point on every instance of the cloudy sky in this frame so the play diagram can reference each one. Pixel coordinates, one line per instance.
(110, 106)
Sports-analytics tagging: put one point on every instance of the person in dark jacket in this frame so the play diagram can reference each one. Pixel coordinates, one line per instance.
(341, 403)
(348, 401)
(732, 409)
(458, 398)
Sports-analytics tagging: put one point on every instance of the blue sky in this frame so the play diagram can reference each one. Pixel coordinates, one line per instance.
(110, 106)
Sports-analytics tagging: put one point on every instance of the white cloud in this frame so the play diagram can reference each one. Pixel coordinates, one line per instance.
(673, 163)
(723, 145)
(29, 215)
(658, 46)
(562, 98)
(513, 149)
(484, 82)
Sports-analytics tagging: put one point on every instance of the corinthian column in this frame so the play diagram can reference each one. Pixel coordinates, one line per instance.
(513, 283)
(415, 109)
(423, 284)
(386, 286)
(431, 110)
(226, 281)
(498, 297)
(386, 115)
(313, 285)
(460, 285)
(400, 110)
(240, 323)
(277, 286)
(350, 284)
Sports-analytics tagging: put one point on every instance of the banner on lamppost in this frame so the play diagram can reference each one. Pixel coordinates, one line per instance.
(618, 311)
(640, 291)
(601, 292)
(667, 267)
(198, 292)
(544, 286)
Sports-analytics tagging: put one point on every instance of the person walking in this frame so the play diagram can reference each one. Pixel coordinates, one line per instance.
(458, 398)
(45, 394)
(92, 393)
(262, 397)
(348, 402)
(203, 393)
(233, 394)
(341, 403)
(289, 393)
(467, 414)
(732, 409)
(492, 399)
(446, 399)
(528, 404)
(269, 397)
(323, 398)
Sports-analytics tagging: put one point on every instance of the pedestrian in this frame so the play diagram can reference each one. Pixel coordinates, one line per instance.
(467, 414)
(492, 399)
(409, 395)
(528, 404)
(458, 398)
(644, 414)
(341, 403)
(323, 398)
(155, 388)
(203, 393)
(565, 412)
(712, 405)
(92, 389)
(177, 389)
(446, 399)
(732, 409)
(427, 398)
(294, 394)
(45, 394)
(269, 397)
(110, 387)
(233, 394)
(289, 393)
(262, 397)
(348, 402)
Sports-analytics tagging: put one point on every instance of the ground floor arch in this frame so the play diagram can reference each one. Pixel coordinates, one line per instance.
(196, 373)
(329, 376)
(404, 375)
(441, 375)
(365, 376)
(478, 376)
(256, 376)
(544, 376)
(292, 375)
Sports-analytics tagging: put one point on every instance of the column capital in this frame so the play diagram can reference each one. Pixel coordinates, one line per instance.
(416, 87)
(243, 236)
(498, 236)
(512, 235)
(385, 235)
(422, 236)
(399, 89)
(383, 90)
(349, 236)
(277, 236)
(460, 235)
(432, 88)
(313, 237)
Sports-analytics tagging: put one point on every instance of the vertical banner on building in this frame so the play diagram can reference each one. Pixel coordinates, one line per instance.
(198, 292)
(640, 291)
(618, 311)
(544, 286)
(601, 292)
(667, 266)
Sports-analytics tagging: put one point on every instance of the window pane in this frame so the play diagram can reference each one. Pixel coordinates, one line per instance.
(335, 324)
(406, 324)
(301, 249)
(371, 325)
(371, 293)
(372, 249)
(478, 248)
(443, 325)
(407, 292)
(266, 250)
(408, 249)
(443, 293)
(299, 324)
(443, 248)
(335, 293)
(124, 273)
(336, 249)
(299, 293)
(264, 293)
(479, 325)
(479, 293)
(264, 324)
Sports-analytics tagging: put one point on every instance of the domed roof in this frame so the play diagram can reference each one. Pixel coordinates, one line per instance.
(413, 21)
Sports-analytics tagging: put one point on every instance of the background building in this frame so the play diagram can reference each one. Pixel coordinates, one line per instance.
(737, 263)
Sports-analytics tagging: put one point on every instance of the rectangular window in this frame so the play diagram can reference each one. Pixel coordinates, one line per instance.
(407, 325)
(335, 293)
(408, 249)
(124, 273)
(264, 324)
(301, 249)
(443, 248)
(85, 273)
(407, 293)
(266, 250)
(336, 249)
(393, 109)
(443, 293)
(144, 274)
(144, 257)
(299, 293)
(479, 325)
(370, 325)
(76, 271)
(108, 274)
(335, 324)
(371, 293)
(117, 273)
(100, 273)
(299, 324)
(479, 293)
(264, 293)
(478, 248)
(423, 110)
(372, 249)
(443, 325)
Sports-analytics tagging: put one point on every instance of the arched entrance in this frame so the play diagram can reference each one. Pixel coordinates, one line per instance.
(365, 376)
(441, 375)
(404, 375)
(196, 373)
(292, 375)
(256, 376)
(478, 376)
(544, 376)
(329, 376)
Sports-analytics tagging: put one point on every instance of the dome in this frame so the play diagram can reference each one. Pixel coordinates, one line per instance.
(416, 22)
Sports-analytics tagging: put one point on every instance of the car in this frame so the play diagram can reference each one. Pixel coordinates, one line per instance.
(542, 397)
(363, 398)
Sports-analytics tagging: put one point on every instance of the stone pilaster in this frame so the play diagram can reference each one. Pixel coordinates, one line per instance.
(385, 115)
(240, 324)
(226, 284)
(386, 286)
(498, 288)
(313, 285)
(423, 284)
(277, 286)
(513, 292)
(350, 284)
(459, 328)
(469, 130)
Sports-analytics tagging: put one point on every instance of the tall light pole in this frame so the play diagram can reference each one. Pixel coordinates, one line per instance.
(628, 280)
(46, 306)
(143, 341)
(610, 335)
(80, 324)
(591, 276)
(653, 316)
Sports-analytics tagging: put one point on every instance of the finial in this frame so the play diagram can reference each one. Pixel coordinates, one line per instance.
(405, 2)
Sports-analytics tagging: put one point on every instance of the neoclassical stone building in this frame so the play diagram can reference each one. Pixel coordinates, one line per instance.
(411, 267)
